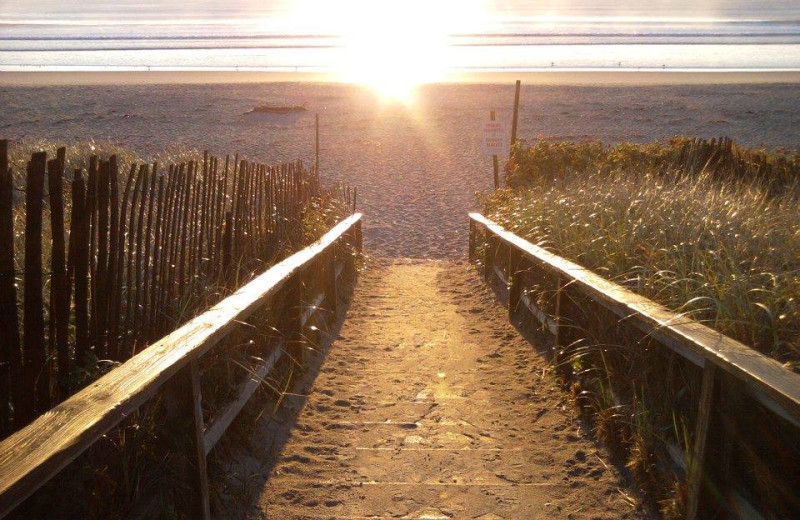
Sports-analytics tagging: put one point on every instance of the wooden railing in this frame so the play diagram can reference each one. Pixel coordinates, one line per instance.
(307, 280)
(526, 269)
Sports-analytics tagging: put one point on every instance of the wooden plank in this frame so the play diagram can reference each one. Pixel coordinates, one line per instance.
(33, 455)
(515, 119)
(543, 318)
(698, 459)
(691, 339)
(311, 308)
(183, 403)
(500, 274)
(217, 428)
(37, 380)
(59, 285)
(79, 236)
(10, 342)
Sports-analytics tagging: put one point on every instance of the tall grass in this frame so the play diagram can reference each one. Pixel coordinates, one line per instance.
(723, 251)
(718, 242)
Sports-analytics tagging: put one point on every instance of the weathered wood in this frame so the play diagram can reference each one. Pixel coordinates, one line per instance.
(217, 428)
(117, 318)
(113, 259)
(695, 341)
(183, 401)
(59, 285)
(80, 235)
(102, 272)
(130, 290)
(495, 160)
(694, 480)
(155, 273)
(331, 282)
(472, 241)
(10, 343)
(515, 118)
(36, 375)
(514, 285)
(32, 456)
(135, 291)
(91, 210)
(148, 275)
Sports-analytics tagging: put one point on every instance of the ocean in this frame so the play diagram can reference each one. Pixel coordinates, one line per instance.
(310, 36)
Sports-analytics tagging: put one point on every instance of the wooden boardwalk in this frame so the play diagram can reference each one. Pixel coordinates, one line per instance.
(431, 405)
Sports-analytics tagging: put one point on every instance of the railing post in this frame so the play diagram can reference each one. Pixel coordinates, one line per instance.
(472, 230)
(185, 422)
(359, 237)
(488, 255)
(294, 325)
(514, 285)
(697, 463)
(331, 292)
(557, 312)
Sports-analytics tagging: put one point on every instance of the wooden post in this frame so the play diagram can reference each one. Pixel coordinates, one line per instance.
(331, 290)
(514, 285)
(183, 402)
(59, 287)
(472, 231)
(36, 375)
(488, 255)
(316, 146)
(359, 237)
(495, 161)
(697, 462)
(10, 353)
(515, 119)
(557, 313)
(102, 293)
(80, 236)
(294, 327)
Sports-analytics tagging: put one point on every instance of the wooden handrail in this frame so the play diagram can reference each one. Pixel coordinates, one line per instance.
(774, 386)
(675, 330)
(33, 455)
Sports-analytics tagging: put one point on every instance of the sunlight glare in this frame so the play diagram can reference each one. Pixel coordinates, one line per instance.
(393, 47)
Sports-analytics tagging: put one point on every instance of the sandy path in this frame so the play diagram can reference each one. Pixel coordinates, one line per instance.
(430, 405)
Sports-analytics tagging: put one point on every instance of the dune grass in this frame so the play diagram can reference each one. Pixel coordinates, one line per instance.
(723, 251)
(706, 234)
(137, 460)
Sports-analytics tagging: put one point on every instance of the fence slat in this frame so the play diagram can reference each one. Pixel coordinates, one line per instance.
(32, 456)
(59, 284)
(37, 381)
(102, 272)
(10, 353)
(80, 236)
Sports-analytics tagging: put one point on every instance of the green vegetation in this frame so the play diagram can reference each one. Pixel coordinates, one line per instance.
(708, 229)
(723, 251)
(136, 466)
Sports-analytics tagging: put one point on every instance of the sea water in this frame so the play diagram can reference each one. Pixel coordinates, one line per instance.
(515, 35)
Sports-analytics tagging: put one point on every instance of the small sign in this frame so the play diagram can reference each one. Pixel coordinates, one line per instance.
(495, 138)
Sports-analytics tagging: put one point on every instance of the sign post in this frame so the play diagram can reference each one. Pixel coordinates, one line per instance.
(495, 142)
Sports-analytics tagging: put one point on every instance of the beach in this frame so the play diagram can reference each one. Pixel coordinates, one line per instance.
(417, 166)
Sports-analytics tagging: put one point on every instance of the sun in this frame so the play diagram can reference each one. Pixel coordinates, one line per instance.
(394, 47)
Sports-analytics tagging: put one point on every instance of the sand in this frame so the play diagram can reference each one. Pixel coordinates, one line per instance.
(429, 404)
(417, 166)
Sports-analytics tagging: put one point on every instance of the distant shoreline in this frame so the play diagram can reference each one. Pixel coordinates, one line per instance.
(544, 77)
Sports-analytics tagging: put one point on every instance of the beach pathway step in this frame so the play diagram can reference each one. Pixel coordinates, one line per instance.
(430, 405)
